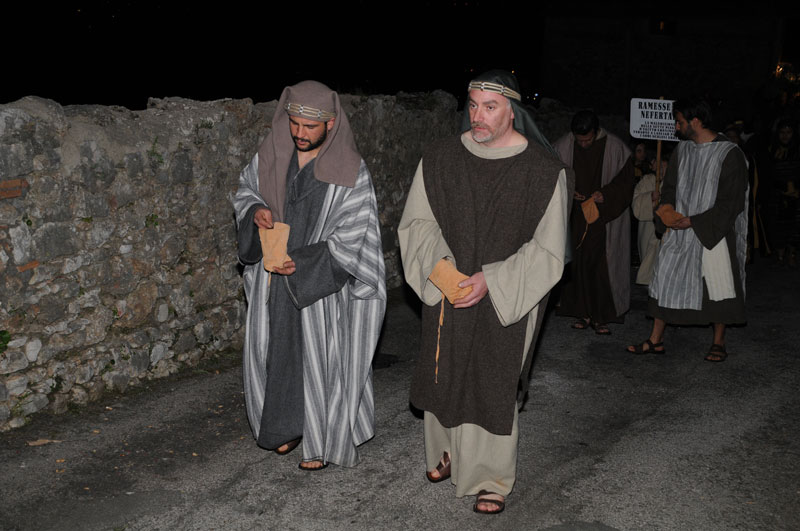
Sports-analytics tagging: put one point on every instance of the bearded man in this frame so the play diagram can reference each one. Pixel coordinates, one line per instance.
(314, 318)
(698, 276)
(598, 288)
(485, 227)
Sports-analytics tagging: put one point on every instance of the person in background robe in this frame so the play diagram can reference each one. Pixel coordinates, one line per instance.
(489, 207)
(699, 274)
(640, 160)
(783, 178)
(597, 288)
(645, 201)
(313, 320)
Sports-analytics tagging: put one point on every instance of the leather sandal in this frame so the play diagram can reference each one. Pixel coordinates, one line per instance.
(482, 498)
(651, 348)
(291, 445)
(601, 329)
(581, 324)
(716, 353)
(443, 468)
(314, 468)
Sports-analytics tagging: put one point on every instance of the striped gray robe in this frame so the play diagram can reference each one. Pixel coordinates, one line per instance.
(340, 331)
(678, 275)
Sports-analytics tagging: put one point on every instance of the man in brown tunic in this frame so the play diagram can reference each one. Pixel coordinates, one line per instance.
(597, 287)
(492, 204)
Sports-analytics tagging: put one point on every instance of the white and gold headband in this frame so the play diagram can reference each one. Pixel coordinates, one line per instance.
(488, 86)
(309, 112)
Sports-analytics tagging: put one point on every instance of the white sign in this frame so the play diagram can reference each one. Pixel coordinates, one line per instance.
(652, 120)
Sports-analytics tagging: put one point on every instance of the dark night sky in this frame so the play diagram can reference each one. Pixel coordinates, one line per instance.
(124, 52)
(121, 53)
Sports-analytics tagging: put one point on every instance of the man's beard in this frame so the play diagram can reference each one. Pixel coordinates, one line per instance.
(486, 135)
(688, 134)
(312, 145)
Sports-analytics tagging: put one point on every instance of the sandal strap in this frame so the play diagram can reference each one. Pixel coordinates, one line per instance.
(442, 464)
(651, 347)
(482, 498)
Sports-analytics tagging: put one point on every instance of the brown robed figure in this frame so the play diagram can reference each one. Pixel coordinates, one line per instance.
(492, 203)
(480, 359)
(597, 288)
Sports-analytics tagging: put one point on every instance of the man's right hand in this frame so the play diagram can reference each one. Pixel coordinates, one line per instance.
(263, 218)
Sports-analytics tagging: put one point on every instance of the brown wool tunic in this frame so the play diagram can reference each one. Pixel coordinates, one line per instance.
(487, 209)
(587, 291)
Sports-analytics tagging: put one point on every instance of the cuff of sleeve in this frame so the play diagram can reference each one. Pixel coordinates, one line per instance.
(490, 274)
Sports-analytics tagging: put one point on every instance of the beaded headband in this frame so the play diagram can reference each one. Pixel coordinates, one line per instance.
(488, 86)
(309, 112)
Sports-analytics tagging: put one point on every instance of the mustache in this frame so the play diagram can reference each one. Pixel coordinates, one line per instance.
(297, 138)
(478, 124)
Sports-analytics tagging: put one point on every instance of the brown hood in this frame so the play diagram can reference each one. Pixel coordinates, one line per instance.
(338, 159)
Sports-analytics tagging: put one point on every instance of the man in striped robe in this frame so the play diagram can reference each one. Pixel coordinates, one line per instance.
(698, 276)
(313, 321)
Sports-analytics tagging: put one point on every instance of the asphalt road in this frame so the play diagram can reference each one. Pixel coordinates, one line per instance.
(608, 441)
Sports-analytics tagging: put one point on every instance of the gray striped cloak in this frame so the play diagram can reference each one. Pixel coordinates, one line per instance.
(340, 331)
(678, 279)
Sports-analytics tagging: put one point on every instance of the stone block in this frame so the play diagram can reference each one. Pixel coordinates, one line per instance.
(139, 305)
(140, 361)
(31, 404)
(117, 380)
(32, 349)
(78, 395)
(52, 240)
(17, 384)
(162, 312)
(12, 361)
(158, 353)
(83, 373)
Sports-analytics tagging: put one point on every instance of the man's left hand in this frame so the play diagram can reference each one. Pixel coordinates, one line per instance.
(683, 223)
(288, 268)
(598, 196)
(479, 291)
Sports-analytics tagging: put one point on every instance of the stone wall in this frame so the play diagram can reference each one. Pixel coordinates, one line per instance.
(117, 236)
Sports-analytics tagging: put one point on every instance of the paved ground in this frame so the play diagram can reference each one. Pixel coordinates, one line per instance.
(608, 441)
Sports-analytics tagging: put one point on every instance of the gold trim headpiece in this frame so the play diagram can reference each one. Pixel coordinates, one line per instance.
(488, 86)
(309, 112)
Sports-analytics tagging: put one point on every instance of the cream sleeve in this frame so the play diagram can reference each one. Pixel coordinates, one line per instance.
(421, 242)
